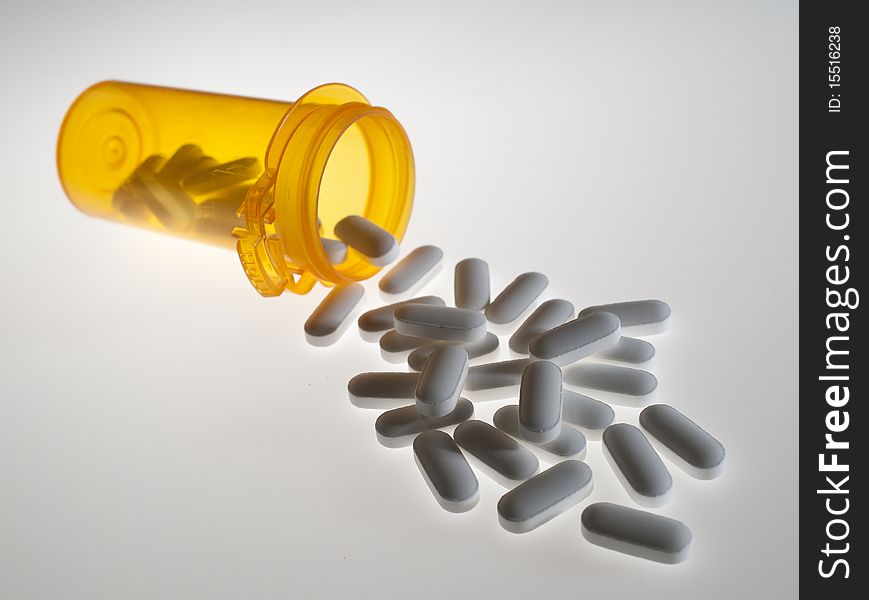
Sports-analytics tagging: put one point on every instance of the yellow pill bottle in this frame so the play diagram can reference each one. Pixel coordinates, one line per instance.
(268, 178)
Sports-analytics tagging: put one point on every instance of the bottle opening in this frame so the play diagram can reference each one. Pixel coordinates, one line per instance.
(341, 159)
(369, 172)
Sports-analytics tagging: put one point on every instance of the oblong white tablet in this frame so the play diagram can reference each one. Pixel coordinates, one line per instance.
(623, 385)
(545, 496)
(440, 323)
(383, 318)
(683, 441)
(548, 315)
(570, 443)
(489, 343)
(411, 269)
(382, 390)
(639, 317)
(629, 350)
(496, 374)
(540, 402)
(472, 284)
(397, 428)
(637, 465)
(593, 416)
(369, 239)
(330, 318)
(441, 381)
(394, 342)
(636, 532)
(516, 298)
(499, 455)
(446, 471)
(577, 339)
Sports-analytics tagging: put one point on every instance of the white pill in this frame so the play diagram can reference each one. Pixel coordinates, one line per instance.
(548, 315)
(440, 323)
(336, 250)
(472, 284)
(416, 359)
(397, 428)
(382, 318)
(629, 350)
(373, 242)
(545, 496)
(640, 317)
(382, 390)
(570, 443)
(331, 317)
(496, 374)
(446, 471)
(637, 465)
(501, 457)
(622, 385)
(516, 298)
(393, 342)
(577, 339)
(540, 402)
(593, 416)
(441, 381)
(683, 441)
(636, 532)
(411, 269)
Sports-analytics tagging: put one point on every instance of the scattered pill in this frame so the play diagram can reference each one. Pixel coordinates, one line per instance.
(503, 458)
(545, 496)
(441, 381)
(577, 339)
(496, 374)
(382, 318)
(382, 390)
(540, 402)
(446, 471)
(548, 315)
(637, 465)
(222, 176)
(329, 319)
(593, 416)
(569, 444)
(629, 350)
(411, 269)
(416, 359)
(636, 532)
(394, 342)
(440, 323)
(397, 428)
(336, 250)
(640, 317)
(686, 443)
(624, 385)
(375, 243)
(472, 284)
(516, 298)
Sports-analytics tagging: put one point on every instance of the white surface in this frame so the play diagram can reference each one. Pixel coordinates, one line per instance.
(167, 433)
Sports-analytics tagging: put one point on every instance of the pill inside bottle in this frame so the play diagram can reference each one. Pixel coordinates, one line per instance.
(242, 173)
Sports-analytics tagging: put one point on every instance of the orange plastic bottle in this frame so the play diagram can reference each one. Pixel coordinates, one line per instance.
(268, 178)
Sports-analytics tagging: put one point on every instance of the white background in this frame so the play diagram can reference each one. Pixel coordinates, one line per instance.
(167, 433)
